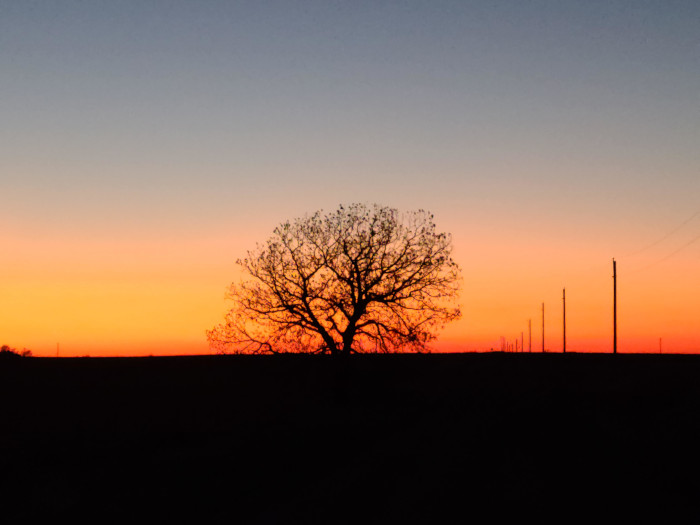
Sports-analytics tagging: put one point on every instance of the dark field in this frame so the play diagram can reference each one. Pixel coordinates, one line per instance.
(376, 439)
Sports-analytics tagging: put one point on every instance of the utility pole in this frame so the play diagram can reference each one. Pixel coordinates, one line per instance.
(564, 302)
(529, 335)
(542, 327)
(614, 307)
(522, 342)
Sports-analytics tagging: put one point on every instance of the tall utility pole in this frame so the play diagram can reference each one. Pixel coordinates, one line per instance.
(614, 307)
(564, 303)
(542, 327)
(529, 335)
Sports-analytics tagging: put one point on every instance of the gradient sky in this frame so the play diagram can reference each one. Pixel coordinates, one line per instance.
(144, 146)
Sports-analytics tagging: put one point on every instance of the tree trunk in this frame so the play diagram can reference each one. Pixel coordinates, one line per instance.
(347, 343)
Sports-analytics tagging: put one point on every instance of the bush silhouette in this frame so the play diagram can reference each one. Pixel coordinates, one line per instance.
(6, 350)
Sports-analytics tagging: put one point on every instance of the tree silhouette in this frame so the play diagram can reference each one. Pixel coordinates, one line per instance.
(6, 350)
(360, 279)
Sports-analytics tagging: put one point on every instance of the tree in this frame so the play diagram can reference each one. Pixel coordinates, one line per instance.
(6, 350)
(360, 279)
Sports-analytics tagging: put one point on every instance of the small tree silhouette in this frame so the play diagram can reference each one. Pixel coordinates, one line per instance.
(360, 279)
(6, 350)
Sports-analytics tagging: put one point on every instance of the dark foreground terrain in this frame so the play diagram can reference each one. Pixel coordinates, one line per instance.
(377, 439)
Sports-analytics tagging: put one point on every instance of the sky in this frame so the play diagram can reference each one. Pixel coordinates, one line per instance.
(146, 145)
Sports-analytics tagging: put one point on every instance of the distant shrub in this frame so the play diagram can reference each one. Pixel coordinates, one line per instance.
(6, 350)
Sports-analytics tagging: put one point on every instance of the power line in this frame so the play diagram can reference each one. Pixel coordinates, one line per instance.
(662, 239)
(665, 258)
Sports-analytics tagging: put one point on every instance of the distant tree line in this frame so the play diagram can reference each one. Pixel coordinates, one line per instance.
(6, 350)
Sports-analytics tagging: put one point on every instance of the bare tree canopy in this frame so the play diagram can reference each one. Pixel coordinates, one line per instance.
(360, 279)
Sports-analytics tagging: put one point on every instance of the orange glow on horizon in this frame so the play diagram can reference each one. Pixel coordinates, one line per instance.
(144, 296)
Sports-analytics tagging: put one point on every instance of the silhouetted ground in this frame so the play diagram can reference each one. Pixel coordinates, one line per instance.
(376, 439)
